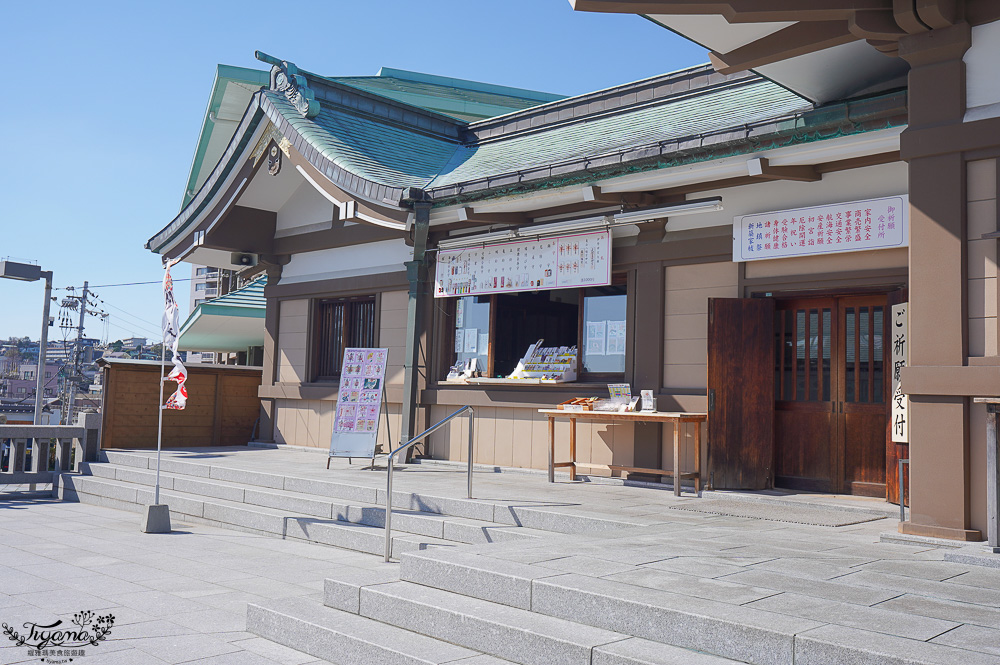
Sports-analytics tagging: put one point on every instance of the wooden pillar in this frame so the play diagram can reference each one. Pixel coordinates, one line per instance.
(647, 361)
(939, 429)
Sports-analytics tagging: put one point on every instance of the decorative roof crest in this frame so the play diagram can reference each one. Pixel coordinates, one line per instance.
(285, 78)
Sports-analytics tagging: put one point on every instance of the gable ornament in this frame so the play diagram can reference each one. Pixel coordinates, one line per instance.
(286, 79)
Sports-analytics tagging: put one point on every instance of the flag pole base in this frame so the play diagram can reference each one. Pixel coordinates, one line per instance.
(156, 519)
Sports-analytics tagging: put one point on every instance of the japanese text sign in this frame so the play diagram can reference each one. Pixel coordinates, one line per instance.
(898, 339)
(582, 259)
(829, 229)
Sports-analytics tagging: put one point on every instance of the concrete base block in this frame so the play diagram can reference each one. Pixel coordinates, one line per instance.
(156, 519)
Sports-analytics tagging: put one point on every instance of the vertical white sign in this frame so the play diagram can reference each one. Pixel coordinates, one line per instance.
(899, 344)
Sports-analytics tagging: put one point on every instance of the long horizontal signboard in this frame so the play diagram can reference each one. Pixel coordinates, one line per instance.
(581, 259)
(829, 229)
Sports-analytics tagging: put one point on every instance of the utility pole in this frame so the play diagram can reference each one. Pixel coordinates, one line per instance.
(43, 343)
(77, 353)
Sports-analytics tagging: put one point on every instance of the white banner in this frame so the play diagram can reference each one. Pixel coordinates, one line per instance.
(171, 329)
(829, 229)
(898, 333)
(582, 259)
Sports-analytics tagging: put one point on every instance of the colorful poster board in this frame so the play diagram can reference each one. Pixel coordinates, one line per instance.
(829, 229)
(359, 404)
(582, 259)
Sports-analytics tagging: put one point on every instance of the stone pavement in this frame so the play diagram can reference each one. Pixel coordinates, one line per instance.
(833, 594)
(176, 598)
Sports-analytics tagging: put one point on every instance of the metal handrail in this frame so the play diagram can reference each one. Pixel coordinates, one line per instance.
(392, 456)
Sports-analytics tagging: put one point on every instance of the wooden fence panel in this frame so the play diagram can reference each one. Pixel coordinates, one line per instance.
(221, 410)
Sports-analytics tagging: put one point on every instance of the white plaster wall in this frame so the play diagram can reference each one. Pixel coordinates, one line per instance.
(982, 85)
(369, 259)
(303, 208)
(836, 187)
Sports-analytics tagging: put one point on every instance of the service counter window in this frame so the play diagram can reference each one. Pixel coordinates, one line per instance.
(497, 330)
(340, 323)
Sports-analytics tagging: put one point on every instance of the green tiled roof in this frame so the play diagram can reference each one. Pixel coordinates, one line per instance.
(396, 156)
(231, 322)
(466, 100)
(688, 116)
(382, 152)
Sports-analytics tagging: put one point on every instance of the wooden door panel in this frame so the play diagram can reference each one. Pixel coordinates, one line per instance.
(741, 392)
(863, 394)
(804, 460)
(805, 381)
(864, 462)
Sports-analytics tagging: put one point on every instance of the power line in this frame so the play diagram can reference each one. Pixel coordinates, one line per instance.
(105, 286)
(127, 313)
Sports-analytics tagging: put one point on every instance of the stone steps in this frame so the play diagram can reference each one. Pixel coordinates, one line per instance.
(344, 638)
(548, 519)
(470, 600)
(431, 524)
(244, 517)
(504, 631)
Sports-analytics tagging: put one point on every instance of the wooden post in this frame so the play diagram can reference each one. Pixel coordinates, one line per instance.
(992, 479)
(552, 449)
(697, 457)
(677, 459)
(572, 448)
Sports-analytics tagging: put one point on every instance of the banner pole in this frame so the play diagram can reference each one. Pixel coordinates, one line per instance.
(159, 428)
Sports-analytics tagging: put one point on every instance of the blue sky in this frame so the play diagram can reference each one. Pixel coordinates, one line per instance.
(104, 102)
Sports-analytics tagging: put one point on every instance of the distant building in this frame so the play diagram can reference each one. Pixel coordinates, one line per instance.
(22, 385)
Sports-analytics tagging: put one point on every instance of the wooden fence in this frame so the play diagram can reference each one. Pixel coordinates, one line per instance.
(222, 406)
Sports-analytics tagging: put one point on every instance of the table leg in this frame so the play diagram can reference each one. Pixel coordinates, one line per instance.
(697, 457)
(677, 459)
(552, 449)
(572, 448)
(992, 480)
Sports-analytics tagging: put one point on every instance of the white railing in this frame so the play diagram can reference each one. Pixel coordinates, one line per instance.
(423, 435)
(36, 454)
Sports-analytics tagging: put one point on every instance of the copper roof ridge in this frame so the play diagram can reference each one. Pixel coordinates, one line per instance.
(673, 79)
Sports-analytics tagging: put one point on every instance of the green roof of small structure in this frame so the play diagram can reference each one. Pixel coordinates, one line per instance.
(231, 322)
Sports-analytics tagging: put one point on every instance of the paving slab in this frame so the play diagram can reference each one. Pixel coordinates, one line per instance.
(976, 638)
(880, 619)
(837, 644)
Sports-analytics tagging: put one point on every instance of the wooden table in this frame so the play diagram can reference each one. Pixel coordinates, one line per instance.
(676, 418)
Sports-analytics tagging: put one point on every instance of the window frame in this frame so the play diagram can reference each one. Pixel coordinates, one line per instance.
(620, 278)
(352, 309)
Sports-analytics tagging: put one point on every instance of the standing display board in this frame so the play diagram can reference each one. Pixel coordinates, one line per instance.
(359, 404)
(581, 259)
(828, 229)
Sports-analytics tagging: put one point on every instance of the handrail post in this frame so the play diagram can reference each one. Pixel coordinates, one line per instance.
(472, 429)
(403, 446)
(902, 493)
(388, 511)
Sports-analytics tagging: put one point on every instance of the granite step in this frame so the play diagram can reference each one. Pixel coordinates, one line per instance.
(343, 638)
(432, 524)
(506, 632)
(491, 585)
(543, 518)
(662, 627)
(244, 517)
